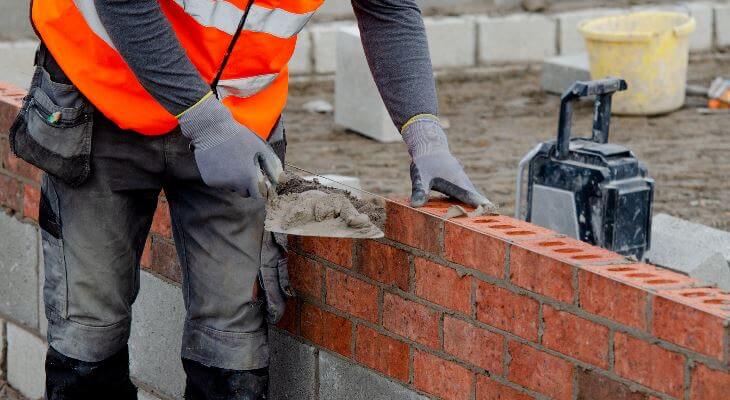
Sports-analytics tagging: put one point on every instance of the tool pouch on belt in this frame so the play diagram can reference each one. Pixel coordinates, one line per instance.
(53, 129)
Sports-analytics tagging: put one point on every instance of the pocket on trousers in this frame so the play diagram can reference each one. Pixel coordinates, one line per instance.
(53, 129)
(55, 287)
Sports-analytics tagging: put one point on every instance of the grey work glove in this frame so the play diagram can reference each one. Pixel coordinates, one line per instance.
(433, 166)
(274, 276)
(228, 154)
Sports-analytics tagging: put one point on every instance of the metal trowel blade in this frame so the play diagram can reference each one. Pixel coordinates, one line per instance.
(320, 230)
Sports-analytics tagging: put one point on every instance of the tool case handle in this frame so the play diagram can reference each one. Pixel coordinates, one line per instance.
(603, 90)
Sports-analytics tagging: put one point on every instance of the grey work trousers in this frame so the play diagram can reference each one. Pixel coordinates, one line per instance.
(94, 235)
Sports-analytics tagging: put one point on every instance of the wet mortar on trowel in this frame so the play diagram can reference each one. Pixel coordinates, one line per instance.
(310, 208)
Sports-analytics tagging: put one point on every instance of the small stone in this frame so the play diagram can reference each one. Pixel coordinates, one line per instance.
(535, 5)
(318, 107)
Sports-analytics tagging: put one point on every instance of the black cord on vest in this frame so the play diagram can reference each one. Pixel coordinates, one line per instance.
(236, 35)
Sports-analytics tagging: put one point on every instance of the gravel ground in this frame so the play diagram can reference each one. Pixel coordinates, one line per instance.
(498, 115)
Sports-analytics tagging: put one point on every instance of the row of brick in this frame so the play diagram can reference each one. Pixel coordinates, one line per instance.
(449, 313)
(471, 40)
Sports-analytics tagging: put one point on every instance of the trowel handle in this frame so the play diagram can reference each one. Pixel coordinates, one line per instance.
(603, 90)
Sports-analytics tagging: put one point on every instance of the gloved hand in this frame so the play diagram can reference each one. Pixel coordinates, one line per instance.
(274, 276)
(229, 155)
(433, 166)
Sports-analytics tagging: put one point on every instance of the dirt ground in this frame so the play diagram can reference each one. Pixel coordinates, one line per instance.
(496, 117)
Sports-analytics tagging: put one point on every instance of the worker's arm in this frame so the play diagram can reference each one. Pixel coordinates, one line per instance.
(227, 153)
(396, 48)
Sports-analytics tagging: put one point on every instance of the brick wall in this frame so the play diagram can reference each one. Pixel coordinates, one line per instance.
(479, 308)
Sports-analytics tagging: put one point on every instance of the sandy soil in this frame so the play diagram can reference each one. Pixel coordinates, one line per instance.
(496, 117)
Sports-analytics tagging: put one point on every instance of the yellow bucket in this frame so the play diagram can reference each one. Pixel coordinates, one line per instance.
(650, 50)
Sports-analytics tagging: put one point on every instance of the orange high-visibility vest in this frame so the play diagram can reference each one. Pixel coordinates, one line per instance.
(253, 86)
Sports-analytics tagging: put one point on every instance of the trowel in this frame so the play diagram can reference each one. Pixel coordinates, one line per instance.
(315, 213)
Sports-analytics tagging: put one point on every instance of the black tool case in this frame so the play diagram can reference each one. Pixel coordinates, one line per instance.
(587, 188)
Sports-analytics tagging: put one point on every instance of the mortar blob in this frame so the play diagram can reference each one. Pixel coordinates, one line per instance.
(308, 208)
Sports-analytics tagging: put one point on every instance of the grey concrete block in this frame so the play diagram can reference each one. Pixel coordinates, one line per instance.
(339, 379)
(3, 338)
(690, 248)
(571, 41)
(14, 17)
(301, 61)
(26, 360)
(722, 25)
(452, 41)
(16, 61)
(358, 105)
(324, 45)
(19, 247)
(559, 72)
(293, 368)
(154, 345)
(715, 269)
(517, 37)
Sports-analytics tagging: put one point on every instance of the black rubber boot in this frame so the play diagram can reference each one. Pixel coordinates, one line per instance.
(70, 379)
(211, 383)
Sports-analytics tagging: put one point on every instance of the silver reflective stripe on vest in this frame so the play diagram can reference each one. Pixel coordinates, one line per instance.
(244, 87)
(88, 10)
(225, 17)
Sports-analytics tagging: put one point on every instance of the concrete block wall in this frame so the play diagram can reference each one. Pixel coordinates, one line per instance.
(473, 40)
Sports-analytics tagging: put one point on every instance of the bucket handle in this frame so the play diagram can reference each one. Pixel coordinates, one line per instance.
(686, 28)
(603, 90)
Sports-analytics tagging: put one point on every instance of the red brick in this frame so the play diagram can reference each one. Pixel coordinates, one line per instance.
(612, 299)
(541, 274)
(474, 249)
(384, 264)
(508, 311)
(4, 148)
(575, 336)
(352, 295)
(146, 259)
(165, 261)
(411, 320)
(593, 386)
(334, 250)
(21, 168)
(10, 193)
(571, 251)
(161, 222)
(645, 276)
(326, 329)
(290, 320)
(11, 99)
(412, 227)
(709, 384)
(688, 327)
(305, 275)
(443, 285)
(488, 389)
(541, 372)
(474, 345)
(711, 300)
(31, 200)
(382, 353)
(507, 229)
(439, 377)
(649, 365)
